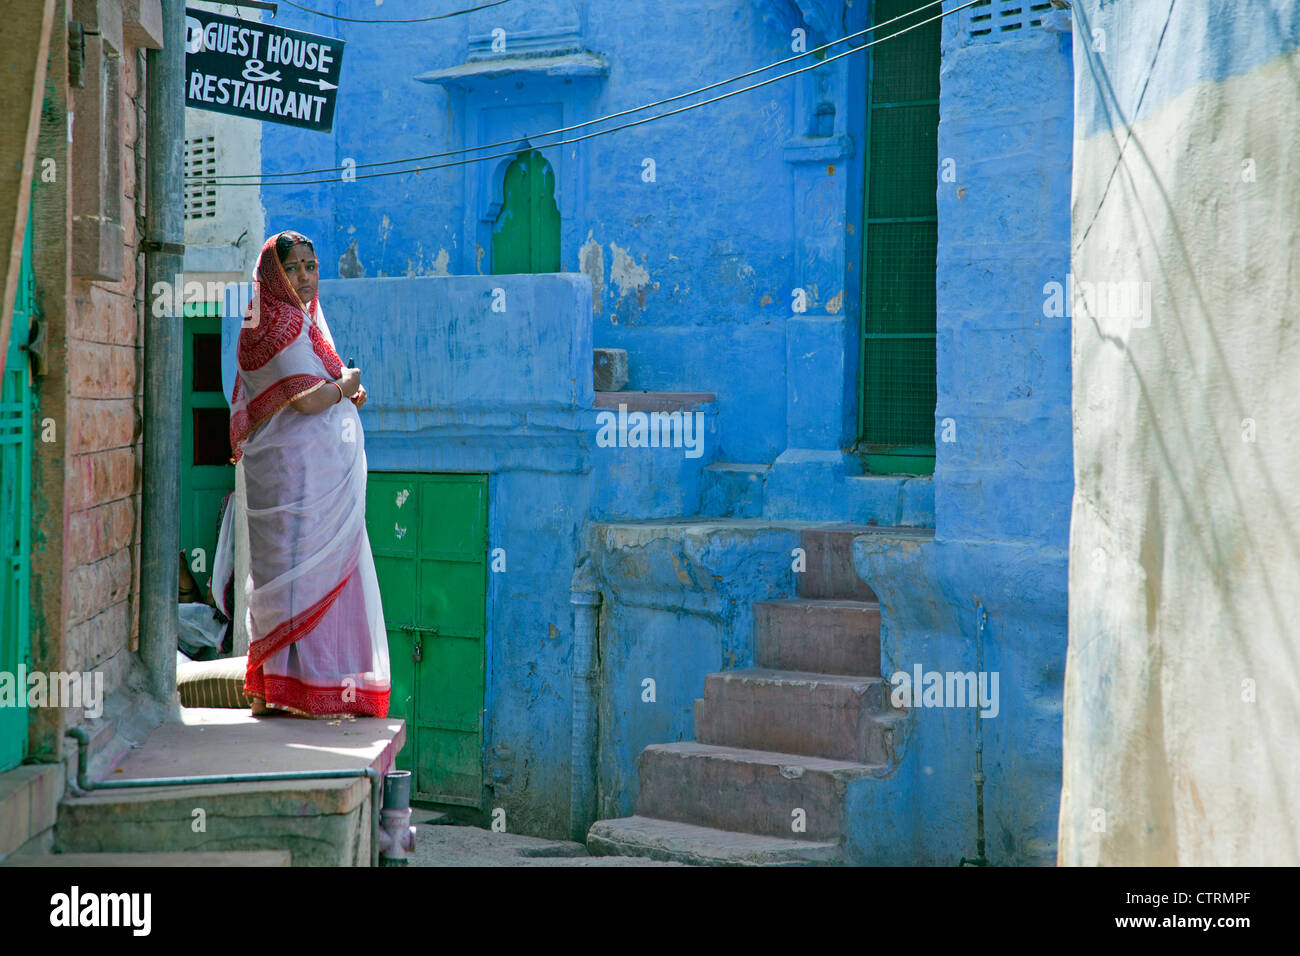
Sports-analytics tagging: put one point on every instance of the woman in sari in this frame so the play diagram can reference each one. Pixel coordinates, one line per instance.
(317, 643)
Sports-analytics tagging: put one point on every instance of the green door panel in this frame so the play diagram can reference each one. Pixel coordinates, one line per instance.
(17, 412)
(444, 585)
(897, 386)
(450, 765)
(207, 476)
(428, 533)
(526, 234)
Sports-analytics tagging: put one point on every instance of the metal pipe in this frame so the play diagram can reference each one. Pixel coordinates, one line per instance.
(396, 835)
(376, 782)
(978, 776)
(164, 245)
(585, 599)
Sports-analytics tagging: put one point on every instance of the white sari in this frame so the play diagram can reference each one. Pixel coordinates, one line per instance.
(317, 641)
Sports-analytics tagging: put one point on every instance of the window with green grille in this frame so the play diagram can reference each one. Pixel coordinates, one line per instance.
(899, 235)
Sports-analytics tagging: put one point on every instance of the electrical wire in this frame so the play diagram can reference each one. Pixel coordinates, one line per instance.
(441, 16)
(219, 179)
(1137, 107)
(614, 129)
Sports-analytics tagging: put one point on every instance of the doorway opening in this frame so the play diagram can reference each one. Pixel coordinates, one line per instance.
(428, 533)
(897, 390)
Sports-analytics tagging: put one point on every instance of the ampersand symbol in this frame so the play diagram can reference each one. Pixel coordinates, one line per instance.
(253, 71)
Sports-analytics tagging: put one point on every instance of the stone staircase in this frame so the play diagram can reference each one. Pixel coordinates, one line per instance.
(777, 745)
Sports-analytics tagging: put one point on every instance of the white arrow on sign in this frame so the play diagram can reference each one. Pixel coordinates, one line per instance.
(323, 84)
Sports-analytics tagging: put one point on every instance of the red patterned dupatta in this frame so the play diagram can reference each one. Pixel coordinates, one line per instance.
(317, 641)
(272, 373)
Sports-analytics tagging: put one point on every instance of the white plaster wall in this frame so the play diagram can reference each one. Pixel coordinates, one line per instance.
(1182, 703)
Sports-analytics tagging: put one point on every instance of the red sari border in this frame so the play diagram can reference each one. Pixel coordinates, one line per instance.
(296, 628)
(300, 698)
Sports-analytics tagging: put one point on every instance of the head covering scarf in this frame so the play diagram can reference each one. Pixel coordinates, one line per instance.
(277, 365)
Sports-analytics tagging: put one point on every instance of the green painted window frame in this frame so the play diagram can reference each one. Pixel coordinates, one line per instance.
(19, 411)
(201, 318)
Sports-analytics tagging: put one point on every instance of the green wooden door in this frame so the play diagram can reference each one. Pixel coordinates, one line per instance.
(206, 473)
(429, 537)
(526, 234)
(899, 235)
(17, 409)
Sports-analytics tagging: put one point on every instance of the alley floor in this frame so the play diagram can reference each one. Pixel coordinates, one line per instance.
(439, 844)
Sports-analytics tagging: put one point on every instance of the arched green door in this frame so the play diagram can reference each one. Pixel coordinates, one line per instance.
(526, 234)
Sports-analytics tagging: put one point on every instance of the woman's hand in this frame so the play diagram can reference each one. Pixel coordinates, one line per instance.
(350, 381)
(359, 398)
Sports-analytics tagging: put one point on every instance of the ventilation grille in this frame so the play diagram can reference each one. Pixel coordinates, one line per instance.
(993, 19)
(200, 161)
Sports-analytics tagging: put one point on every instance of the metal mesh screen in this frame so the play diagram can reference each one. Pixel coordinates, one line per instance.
(900, 238)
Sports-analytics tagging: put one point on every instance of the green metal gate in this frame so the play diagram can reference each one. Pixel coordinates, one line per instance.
(17, 410)
(526, 234)
(899, 235)
(429, 537)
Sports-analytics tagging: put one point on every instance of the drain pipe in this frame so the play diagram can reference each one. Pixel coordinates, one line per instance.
(980, 858)
(376, 836)
(585, 598)
(164, 247)
(396, 835)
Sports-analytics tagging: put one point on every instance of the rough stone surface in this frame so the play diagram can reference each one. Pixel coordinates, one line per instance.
(472, 846)
(703, 846)
(834, 637)
(821, 715)
(771, 794)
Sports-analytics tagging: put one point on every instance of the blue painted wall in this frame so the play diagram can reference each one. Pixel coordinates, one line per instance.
(693, 274)
(697, 267)
(1003, 484)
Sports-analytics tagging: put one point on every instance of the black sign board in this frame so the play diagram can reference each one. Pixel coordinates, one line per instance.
(264, 72)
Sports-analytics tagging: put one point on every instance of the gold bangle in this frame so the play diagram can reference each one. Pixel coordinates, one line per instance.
(340, 388)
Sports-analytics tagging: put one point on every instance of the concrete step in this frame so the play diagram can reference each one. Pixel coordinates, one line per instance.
(819, 715)
(830, 573)
(753, 791)
(321, 822)
(79, 860)
(823, 636)
(703, 846)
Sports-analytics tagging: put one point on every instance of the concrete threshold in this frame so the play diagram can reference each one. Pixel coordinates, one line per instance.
(322, 822)
(211, 740)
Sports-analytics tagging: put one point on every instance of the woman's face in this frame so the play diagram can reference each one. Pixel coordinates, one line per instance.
(300, 267)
